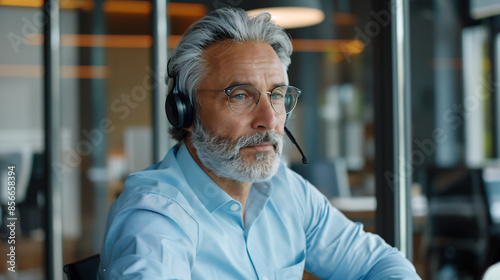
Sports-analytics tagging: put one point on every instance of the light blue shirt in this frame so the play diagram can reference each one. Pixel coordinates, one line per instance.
(173, 222)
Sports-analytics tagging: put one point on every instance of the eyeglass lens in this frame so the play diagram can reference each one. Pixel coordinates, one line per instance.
(243, 99)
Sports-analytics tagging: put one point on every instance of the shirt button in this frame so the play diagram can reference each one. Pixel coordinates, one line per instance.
(235, 207)
(265, 278)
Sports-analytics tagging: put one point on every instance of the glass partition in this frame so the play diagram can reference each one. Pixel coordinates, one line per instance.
(453, 107)
(22, 144)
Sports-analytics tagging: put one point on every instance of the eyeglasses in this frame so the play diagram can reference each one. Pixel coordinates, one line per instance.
(243, 99)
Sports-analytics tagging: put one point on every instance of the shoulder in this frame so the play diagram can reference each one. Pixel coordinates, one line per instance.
(151, 188)
(158, 193)
(150, 207)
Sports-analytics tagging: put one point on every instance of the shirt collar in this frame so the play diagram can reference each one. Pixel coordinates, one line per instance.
(265, 188)
(207, 191)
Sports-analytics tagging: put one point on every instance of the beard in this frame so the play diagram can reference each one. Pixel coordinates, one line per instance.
(221, 154)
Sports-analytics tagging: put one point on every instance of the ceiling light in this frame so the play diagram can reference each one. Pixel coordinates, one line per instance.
(289, 13)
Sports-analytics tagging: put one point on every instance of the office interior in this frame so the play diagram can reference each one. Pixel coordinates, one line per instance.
(109, 79)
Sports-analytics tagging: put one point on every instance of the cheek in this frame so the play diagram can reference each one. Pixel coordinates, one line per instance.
(281, 124)
(224, 121)
(235, 126)
(212, 113)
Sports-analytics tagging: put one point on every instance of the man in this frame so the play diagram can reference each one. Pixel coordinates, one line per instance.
(220, 205)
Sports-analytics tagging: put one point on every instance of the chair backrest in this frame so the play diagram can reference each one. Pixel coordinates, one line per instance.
(85, 269)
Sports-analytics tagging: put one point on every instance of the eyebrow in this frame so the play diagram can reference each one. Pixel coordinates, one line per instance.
(240, 83)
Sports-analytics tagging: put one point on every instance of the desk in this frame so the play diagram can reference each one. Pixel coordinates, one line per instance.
(369, 203)
(362, 209)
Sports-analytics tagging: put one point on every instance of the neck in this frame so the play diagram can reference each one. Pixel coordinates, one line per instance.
(235, 189)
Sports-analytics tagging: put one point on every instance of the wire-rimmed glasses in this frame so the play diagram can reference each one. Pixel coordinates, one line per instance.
(243, 99)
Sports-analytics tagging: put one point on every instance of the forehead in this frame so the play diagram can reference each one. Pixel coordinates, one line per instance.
(230, 60)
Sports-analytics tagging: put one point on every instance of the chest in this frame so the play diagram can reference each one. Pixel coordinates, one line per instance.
(271, 247)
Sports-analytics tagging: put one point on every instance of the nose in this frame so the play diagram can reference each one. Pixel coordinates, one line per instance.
(264, 115)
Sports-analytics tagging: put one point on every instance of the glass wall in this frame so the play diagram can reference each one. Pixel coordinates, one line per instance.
(22, 142)
(455, 134)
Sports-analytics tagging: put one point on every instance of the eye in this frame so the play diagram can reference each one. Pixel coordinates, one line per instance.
(239, 94)
(277, 95)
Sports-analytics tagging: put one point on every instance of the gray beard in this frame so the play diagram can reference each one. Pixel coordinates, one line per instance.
(221, 154)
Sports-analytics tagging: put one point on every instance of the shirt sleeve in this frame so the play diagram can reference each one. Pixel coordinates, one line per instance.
(338, 248)
(146, 244)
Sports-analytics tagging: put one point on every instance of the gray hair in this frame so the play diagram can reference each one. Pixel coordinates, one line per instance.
(223, 24)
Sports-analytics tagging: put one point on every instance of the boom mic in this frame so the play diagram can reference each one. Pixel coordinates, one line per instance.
(289, 134)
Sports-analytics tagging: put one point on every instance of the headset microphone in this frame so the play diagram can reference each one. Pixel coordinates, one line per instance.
(289, 134)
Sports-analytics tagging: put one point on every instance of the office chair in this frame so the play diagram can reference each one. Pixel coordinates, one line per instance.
(31, 207)
(457, 227)
(29, 174)
(85, 269)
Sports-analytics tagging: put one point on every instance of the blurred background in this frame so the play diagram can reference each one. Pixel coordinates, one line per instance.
(112, 68)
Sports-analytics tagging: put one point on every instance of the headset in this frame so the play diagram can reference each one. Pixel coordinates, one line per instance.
(178, 108)
(180, 111)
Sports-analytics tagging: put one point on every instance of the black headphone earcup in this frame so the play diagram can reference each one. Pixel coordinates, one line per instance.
(171, 111)
(178, 108)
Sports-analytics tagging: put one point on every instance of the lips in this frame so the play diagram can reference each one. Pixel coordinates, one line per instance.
(260, 144)
(263, 146)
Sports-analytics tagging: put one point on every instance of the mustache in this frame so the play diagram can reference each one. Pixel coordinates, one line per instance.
(271, 137)
(218, 142)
